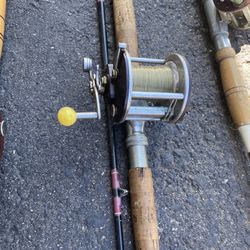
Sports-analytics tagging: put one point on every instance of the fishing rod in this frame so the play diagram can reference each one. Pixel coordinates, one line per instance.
(2, 25)
(67, 117)
(234, 68)
(136, 90)
(117, 191)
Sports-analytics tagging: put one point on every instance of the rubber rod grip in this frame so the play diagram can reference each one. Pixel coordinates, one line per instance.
(144, 215)
(125, 25)
(236, 90)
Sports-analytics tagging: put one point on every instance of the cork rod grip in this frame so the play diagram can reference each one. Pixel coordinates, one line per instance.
(2, 23)
(236, 90)
(125, 25)
(143, 209)
(144, 216)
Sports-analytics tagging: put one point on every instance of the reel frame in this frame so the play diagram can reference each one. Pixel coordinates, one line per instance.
(125, 96)
(128, 104)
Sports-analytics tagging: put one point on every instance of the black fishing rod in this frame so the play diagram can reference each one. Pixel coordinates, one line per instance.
(115, 178)
(101, 83)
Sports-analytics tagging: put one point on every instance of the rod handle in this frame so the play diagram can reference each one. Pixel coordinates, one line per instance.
(125, 25)
(236, 90)
(144, 214)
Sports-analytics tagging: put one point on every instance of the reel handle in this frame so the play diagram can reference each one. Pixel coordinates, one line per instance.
(67, 116)
(143, 208)
(236, 91)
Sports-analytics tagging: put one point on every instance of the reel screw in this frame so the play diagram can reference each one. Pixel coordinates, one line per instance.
(114, 74)
(104, 80)
(87, 64)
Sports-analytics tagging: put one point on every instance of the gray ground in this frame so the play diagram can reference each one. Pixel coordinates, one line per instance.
(55, 185)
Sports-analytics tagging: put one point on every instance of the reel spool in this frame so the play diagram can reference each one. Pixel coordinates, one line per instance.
(138, 92)
(234, 12)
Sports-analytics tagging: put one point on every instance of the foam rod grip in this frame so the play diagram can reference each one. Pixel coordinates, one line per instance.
(2, 23)
(144, 215)
(125, 25)
(235, 88)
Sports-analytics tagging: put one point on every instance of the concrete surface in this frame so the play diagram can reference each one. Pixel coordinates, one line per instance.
(54, 182)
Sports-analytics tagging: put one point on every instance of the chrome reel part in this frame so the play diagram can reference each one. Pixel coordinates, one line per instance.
(140, 89)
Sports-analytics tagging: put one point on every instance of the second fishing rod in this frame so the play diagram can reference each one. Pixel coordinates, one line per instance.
(170, 76)
(234, 68)
(144, 215)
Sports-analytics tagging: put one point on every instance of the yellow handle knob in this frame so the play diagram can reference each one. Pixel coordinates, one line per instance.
(67, 116)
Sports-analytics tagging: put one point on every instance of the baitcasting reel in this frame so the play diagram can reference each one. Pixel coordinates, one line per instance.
(235, 12)
(137, 92)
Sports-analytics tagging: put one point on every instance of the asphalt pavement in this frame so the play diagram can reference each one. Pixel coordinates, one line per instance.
(55, 182)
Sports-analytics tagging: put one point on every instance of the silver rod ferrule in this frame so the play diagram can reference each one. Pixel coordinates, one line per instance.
(218, 28)
(137, 144)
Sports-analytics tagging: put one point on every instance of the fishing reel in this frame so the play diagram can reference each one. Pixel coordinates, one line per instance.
(234, 12)
(140, 89)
